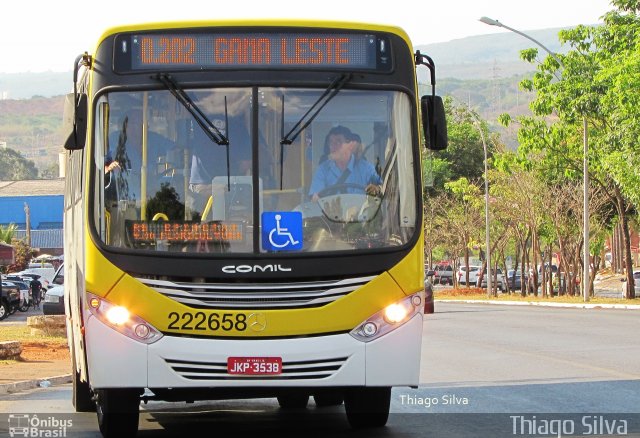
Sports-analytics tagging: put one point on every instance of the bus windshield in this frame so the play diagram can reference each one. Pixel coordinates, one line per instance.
(296, 171)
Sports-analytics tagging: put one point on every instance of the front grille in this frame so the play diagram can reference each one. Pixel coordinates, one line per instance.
(294, 370)
(257, 295)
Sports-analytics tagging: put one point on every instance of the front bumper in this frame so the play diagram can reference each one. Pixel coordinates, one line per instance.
(116, 361)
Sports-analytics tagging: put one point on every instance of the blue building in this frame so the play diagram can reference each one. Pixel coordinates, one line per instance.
(44, 201)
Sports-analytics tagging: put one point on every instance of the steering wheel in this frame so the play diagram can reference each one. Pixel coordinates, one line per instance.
(333, 189)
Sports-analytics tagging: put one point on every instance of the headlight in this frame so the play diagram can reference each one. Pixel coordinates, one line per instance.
(389, 318)
(120, 319)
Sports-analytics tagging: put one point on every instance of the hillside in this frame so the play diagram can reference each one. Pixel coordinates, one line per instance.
(32, 127)
(481, 71)
(488, 56)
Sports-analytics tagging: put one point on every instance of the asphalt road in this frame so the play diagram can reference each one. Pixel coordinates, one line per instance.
(486, 371)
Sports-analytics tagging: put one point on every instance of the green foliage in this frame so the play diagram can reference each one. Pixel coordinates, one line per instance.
(23, 254)
(7, 233)
(14, 167)
(464, 158)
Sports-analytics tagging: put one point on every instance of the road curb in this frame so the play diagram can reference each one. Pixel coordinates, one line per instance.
(9, 388)
(541, 304)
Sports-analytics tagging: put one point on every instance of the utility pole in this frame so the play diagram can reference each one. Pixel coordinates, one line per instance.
(28, 222)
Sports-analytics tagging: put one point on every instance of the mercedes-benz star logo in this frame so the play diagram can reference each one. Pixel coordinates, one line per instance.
(257, 322)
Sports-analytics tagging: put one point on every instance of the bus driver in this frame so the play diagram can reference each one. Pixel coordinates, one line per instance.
(344, 167)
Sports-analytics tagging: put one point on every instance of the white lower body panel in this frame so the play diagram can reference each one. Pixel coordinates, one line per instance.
(182, 362)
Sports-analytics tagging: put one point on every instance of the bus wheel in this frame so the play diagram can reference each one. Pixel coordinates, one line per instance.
(118, 411)
(368, 406)
(293, 401)
(82, 396)
(328, 398)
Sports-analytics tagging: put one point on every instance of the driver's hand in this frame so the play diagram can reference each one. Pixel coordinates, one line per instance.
(111, 166)
(373, 190)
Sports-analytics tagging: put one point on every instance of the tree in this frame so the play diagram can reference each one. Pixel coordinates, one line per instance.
(14, 167)
(597, 83)
(464, 157)
(24, 253)
(460, 215)
(166, 201)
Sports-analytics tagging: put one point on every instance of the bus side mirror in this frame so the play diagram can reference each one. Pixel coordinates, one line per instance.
(75, 121)
(434, 122)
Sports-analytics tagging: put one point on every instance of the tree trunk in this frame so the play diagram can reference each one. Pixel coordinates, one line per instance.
(535, 246)
(550, 279)
(466, 263)
(626, 241)
(525, 262)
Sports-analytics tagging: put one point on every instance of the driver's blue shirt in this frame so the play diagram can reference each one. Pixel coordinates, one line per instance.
(361, 173)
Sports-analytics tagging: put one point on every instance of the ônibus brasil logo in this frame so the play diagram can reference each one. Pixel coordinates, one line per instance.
(28, 425)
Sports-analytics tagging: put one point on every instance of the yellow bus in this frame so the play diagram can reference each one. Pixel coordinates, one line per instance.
(243, 216)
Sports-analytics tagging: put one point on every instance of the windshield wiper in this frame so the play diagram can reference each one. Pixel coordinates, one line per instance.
(200, 117)
(334, 88)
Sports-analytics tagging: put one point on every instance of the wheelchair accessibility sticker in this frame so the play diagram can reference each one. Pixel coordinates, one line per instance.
(282, 230)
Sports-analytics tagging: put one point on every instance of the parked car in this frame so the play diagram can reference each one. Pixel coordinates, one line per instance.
(428, 296)
(443, 274)
(23, 286)
(9, 298)
(499, 278)
(53, 303)
(514, 277)
(58, 278)
(473, 274)
(46, 274)
(636, 287)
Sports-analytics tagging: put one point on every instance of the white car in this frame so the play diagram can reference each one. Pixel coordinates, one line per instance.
(636, 287)
(473, 274)
(53, 303)
(499, 278)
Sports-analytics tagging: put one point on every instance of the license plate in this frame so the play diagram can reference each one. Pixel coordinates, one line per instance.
(254, 365)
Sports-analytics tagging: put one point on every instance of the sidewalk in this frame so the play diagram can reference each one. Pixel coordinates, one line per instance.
(44, 382)
(544, 304)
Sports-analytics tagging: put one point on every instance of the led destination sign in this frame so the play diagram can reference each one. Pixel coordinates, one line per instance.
(173, 231)
(199, 51)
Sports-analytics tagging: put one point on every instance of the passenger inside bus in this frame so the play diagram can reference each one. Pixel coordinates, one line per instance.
(344, 170)
(125, 157)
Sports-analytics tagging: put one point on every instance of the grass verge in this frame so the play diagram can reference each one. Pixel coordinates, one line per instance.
(22, 333)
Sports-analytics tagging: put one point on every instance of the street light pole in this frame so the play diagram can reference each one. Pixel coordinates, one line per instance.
(585, 212)
(486, 209)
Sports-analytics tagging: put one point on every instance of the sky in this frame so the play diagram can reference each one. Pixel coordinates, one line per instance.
(46, 35)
